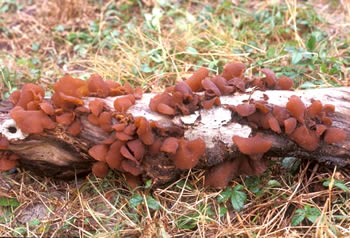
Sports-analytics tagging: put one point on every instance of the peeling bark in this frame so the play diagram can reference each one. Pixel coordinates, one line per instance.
(57, 154)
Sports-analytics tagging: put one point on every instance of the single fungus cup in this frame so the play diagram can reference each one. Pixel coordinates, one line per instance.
(100, 169)
(296, 108)
(170, 145)
(255, 146)
(233, 70)
(188, 153)
(195, 80)
(334, 135)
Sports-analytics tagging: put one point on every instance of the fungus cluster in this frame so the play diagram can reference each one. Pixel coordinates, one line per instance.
(131, 139)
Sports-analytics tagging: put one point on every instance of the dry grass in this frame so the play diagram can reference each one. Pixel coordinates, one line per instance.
(153, 44)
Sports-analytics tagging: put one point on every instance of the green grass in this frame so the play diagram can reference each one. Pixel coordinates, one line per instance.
(154, 44)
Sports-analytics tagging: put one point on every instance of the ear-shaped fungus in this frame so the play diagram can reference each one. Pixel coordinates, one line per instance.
(71, 87)
(31, 121)
(245, 110)
(314, 109)
(210, 88)
(296, 108)
(66, 118)
(30, 93)
(14, 97)
(284, 83)
(270, 77)
(97, 86)
(114, 157)
(47, 108)
(220, 175)
(255, 146)
(75, 128)
(144, 131)
(122, 104)
(96, 106)
(6, 164)
(98, 152)
(195, 80)
(233, 70)
(188, 153)
(289, 125)
(170, 145)
(100, 169)
(334, 135)
(306, 138)
(320, 129)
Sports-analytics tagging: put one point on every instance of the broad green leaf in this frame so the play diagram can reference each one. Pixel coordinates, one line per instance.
(152, 203)
(224, 195)
(187, 221)
(273, 183)
(191, 50)
(222, 211)
(238, 198)
(298, 217)
(312, 213)
(34, 222)
(135, 200)
(307, 85)
(338, 184)
(8, 202)
(296, 57)
(311, 43)
(253, 183)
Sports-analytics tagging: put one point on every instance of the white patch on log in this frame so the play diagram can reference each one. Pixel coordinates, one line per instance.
(11, 135)
(215, 126)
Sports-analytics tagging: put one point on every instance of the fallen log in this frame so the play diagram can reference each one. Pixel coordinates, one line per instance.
(56, 153)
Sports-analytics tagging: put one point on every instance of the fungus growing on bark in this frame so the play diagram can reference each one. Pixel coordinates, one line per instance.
(245, 110)
(328, 108)
(314, 109)
(165, 109)
(306, 138)
(284, 83)
(6, 164)
(195, 80)
(131, 167)
(31, 121)
(144, 131)
(255, 146)
(170, 145)
(66, 118)
(96, 106)
(137, 149)
(210, 103)
(334, 135)
(47, 108)
(98, 152)
(281, 114)
(270, 77)
(14, 97)
(122, 104)
(70, 86)
(114, 157)
(75, 128)
(100, 169)
(296, 108)
(210, 88)
(320, 129)
(29, 93)
(289, 125)
(97, 86)
(233, 70)
(105, 121)
(188, 153)
(220, 175)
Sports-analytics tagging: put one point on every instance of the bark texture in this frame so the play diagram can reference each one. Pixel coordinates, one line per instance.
(57, 154)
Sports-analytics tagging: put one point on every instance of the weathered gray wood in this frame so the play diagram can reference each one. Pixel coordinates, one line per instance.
(55, 153)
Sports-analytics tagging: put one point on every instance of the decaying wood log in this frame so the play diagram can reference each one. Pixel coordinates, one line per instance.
(57, 154)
